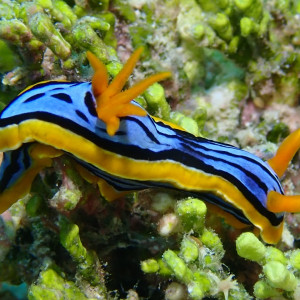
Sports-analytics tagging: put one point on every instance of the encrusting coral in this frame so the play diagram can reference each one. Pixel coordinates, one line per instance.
(235, 66)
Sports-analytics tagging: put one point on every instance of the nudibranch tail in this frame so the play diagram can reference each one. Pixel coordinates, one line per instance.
(283, 203)
(111, 103)
(277, 202)
(285, 153)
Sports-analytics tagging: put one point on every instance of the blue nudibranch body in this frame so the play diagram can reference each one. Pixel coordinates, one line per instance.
(119, 146)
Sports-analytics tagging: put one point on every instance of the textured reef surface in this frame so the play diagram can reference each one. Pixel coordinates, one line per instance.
(235, 67)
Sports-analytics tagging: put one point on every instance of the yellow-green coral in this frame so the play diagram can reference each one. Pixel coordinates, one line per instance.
(192, 214)
(87, 262)
(248, 246)
(197, 264)
(51, 285)
(279, 276)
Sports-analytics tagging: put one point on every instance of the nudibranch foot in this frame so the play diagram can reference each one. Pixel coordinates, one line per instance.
(106, 190)
(111, 103)
(271, 234)
(277, 202)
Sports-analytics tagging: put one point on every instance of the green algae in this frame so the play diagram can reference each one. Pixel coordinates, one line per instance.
(156, 101)
(31, 27)
(150, 266)
(279, 269)
(248, 246)
(278, 132)
(197, 263)
(189, 250)
(51, 285)
(42, 27)
(192, 214)
(279, 276)
(88, 265)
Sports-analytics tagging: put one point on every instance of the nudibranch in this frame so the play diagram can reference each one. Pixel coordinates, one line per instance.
(122, 148)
